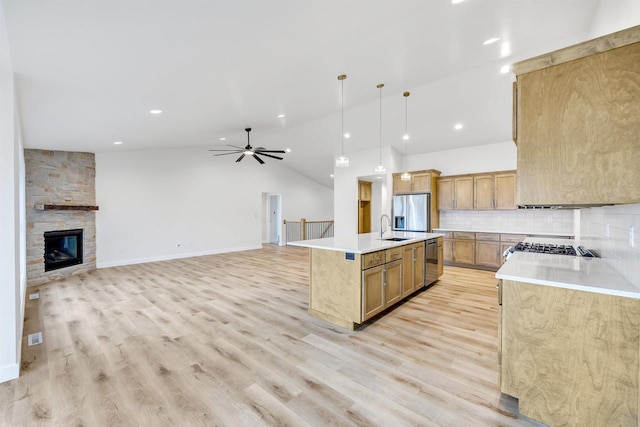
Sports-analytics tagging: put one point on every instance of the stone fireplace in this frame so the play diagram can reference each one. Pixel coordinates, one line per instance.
(60, 186)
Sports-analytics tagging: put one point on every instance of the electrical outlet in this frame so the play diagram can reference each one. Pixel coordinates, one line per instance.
(34, 295)
(632, 236)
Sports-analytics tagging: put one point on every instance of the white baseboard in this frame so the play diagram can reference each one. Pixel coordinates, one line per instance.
(9, 372)
(175, 256)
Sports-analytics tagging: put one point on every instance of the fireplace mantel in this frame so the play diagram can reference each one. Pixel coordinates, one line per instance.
(41, 207)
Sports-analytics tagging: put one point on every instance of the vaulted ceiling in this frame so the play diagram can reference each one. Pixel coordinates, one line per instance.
(89, 72)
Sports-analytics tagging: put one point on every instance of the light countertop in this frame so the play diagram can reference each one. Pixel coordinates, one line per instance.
(569, 272)
(364, 243)
(501, 231)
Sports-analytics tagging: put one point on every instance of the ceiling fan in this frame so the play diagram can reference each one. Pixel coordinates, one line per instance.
(250, 151)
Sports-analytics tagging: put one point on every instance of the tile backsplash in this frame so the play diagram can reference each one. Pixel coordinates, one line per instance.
(613, 231)
(528, 221)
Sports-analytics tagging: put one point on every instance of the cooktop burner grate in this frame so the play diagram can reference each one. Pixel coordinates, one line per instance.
(545, 248)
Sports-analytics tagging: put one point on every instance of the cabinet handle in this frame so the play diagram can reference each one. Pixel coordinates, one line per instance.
(414, 255)
(499, 286)
(384, 277)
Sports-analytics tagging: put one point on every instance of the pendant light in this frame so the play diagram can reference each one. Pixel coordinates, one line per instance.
(342, 161)
(380, 170)
(406, 176)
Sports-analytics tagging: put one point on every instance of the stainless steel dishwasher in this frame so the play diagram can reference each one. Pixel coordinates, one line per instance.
(431, 261)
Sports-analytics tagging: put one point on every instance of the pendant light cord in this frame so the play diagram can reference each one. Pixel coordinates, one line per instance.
(380, 86)
(406, 133)
(342, 114)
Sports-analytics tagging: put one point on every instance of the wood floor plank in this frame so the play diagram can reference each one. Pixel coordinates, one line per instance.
(226, 340)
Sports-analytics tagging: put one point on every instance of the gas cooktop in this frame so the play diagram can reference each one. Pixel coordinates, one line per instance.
(545, 248)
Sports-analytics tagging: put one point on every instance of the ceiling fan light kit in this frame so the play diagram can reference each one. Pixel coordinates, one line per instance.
(248, 150)
(342, 161)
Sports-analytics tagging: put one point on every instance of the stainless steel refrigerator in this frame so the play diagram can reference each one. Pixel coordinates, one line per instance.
(411, 212)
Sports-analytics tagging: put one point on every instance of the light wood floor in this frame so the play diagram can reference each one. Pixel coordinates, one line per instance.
(226, 340)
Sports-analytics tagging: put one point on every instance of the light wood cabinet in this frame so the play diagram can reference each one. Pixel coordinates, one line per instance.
(577, 123)
(413, 268)
(420, 182)
(487, 248)
(487, 191)
(392, 282)
(483, 197)
(455, 193)
(364, 188)
(346, 289)
(504, 191)
(373, 300)
(570, 357)
(364, 207)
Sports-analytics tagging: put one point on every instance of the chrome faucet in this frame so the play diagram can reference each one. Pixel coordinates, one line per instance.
(388, 223)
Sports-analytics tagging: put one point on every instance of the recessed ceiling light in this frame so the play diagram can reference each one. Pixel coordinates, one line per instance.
(223, 138)
(379, 177)
(458, 126)
(280, 116)
(347, 135)
(331, 175)
(505, 69)
(491, 40)
(288, 150)
(118, 142)
(155, 111)
(456, 1)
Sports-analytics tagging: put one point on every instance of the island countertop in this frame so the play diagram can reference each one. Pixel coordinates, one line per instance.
(365, 243)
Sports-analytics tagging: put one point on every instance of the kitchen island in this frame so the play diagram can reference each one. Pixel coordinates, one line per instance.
(569, 339)
(353, 278)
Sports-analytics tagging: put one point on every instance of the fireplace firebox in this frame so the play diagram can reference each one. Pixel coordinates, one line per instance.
(62, 249)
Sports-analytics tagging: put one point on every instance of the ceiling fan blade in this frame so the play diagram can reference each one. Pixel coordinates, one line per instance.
(230, 151)
(271, 151)
(269, 155)
(240, 158)
(226, 154)
(235, 146)
(258, 159)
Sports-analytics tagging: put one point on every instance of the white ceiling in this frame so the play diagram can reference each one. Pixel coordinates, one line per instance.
(88, 72)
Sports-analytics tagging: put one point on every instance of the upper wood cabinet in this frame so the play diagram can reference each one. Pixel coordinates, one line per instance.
(455, 193)
(496, 190)
(364, 191)
(577, 123)
(421, 182)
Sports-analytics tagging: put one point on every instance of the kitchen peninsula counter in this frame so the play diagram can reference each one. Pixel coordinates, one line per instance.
(353, 278)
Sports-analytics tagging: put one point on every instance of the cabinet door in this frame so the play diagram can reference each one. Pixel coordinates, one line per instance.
(463, 191)
(463, 251)
(445, 194)
(393, 282)
(488, 253)
(447, 249)
(372, 292)
(421, 183)
(505, 191)
(578, 131)
(483, 192)
(418, 266)
(400, 186)
(407, 269)
(365, 191)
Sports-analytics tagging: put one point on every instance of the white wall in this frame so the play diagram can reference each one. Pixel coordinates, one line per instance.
(481, 158)
(614, 15)
(12, 278)
(165, 204)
